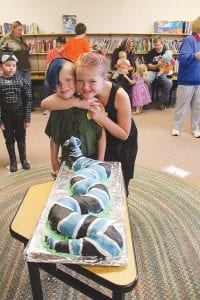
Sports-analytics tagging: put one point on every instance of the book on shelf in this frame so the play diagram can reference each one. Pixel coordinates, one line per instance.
(143, 45)
(173, 45)
(105, 44)
(6, 27)
(31, 29)
(168, 27)
(41, 46)
(187, 27)
(69, 23)
(176, 27)
(27, 29)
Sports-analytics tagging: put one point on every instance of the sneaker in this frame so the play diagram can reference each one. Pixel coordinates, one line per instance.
(196, 133)
(175, 132)
(45, 112)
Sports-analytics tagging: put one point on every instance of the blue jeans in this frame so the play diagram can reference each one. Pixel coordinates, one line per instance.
(165, 85)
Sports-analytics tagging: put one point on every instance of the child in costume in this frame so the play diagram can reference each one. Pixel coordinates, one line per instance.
(121, 131)
(63, 124)
(140, 91)
(15, 109)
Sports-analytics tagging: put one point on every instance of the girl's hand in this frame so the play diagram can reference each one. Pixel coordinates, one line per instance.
(26, 125)
(2, 127)
(82, 104)
(55, 167)
(86, 103)
(95, 106)
(97, 111)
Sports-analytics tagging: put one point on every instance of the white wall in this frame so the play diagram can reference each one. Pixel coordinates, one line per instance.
(100, 16)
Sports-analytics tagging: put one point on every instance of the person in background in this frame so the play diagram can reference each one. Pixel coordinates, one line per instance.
(58, 51)
(15, 109)
(154, 63)
(188, 90)
(77, 45)
(13, 42)
(121, 131)
(128, 45)
(63, 124)
(140, 91)
(123, 65)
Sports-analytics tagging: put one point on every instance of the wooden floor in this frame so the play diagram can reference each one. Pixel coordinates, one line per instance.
(157, 148)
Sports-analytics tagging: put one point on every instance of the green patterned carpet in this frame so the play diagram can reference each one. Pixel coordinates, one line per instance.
(165, 214)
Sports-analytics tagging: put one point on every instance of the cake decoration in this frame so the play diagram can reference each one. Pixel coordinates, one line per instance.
(74, 216)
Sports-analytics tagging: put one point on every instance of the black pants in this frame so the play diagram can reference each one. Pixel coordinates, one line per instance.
(14, 126)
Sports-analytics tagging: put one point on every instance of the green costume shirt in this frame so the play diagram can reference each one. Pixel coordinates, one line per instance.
(63, 124)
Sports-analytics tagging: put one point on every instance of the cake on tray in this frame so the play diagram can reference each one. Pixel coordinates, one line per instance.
(81, 222)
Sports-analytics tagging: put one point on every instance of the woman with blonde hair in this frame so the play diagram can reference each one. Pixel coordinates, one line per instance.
(127, 45)
(14, 42)
(188, 91)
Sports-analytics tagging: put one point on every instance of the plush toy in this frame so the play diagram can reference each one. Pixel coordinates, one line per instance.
(168, 63)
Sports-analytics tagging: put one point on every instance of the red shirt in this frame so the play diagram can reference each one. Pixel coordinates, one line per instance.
(75, 47)
(53, 53)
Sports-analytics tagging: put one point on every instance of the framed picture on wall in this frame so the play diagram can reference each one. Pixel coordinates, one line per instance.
(69, 23)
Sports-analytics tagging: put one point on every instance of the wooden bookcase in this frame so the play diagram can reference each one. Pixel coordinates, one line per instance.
(41, 43)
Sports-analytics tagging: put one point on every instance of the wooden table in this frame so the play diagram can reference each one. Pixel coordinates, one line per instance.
(120, 280)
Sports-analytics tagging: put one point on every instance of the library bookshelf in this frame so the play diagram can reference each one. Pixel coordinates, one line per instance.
(40, 44)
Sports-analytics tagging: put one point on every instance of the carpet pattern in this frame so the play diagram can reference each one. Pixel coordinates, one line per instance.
(165, 215)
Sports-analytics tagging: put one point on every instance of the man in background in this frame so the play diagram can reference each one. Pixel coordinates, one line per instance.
(154, 62)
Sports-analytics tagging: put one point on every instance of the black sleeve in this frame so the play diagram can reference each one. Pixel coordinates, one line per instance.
(114, 58)
(27, 100)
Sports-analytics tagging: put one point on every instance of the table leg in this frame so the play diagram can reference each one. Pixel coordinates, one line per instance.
(34, 274)
(118, 296)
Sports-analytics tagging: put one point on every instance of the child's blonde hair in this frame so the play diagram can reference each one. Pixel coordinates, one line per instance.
(93, 60)
(122, 54)
(142, 70)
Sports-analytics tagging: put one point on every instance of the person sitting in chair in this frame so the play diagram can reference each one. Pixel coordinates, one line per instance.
(154, 63)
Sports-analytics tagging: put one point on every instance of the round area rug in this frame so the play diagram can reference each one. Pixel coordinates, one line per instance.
(165, 218)
(165, 214)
